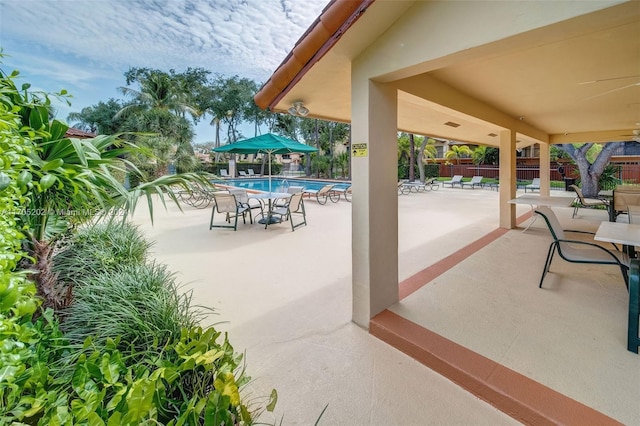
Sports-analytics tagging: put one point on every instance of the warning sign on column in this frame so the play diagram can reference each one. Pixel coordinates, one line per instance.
(359, 150)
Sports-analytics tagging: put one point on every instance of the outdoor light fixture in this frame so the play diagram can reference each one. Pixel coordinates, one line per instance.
(298, 108)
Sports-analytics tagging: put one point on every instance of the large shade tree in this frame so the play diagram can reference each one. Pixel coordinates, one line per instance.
(590, 170)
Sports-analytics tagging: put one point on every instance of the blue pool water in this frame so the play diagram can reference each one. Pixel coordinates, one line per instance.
(277, 184)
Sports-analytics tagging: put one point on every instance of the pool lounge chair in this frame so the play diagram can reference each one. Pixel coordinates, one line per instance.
(323, 193)
(415, 186)
(475, 181)
(346, 192)
(224, 173)
(535, 184)
(251, 173)
(242, 173)
(456, 180)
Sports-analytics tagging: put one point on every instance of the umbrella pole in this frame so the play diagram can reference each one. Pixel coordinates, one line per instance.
(269, 154)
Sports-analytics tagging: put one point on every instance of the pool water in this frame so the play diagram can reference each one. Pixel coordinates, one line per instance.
(277, 184)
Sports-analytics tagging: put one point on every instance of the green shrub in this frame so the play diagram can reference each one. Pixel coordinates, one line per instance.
(103, 247)
(139, 304)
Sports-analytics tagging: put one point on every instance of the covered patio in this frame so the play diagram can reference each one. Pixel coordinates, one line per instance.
(500, 73)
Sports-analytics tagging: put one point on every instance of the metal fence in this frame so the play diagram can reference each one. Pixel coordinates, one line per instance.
(627, 171)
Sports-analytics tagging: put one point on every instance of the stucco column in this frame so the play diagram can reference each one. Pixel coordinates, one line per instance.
(375, 199)
(545, 173)
(507, 178)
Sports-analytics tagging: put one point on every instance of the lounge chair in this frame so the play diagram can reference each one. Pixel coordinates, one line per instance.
(294, 206)
(535, 184)
(242, 173)
(224, 173)
(402, 189)
(346, 192)
(586, 203)
(414, 186)
(578, 251)
(456, 180)
(475, 181)
(324, 193)
(226, 203)
(251, 173)
(432, 184)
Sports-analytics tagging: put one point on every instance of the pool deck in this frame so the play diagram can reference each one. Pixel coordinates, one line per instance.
(285, 298)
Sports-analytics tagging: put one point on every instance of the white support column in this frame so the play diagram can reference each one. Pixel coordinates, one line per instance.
(507, 178)
(545, 173)
(375, 199)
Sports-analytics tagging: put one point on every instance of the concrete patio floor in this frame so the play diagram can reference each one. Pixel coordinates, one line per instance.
(285, 298)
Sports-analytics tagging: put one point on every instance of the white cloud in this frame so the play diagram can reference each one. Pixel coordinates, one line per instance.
(86, 45)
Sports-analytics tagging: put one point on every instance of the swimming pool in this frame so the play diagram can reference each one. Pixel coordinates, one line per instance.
(278, 184)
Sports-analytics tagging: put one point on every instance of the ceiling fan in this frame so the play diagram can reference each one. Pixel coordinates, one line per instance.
(635, 136)
(611, 79)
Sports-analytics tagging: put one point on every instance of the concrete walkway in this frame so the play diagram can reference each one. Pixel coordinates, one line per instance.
(285, 298)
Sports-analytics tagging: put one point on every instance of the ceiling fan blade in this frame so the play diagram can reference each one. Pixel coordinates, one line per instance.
(612, 90)
(609, 79)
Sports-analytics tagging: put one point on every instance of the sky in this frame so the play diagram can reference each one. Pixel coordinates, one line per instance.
(85, 46)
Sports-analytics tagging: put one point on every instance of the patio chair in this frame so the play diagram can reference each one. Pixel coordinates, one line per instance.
(295, 206)
(283, 202)
(242, 173)
(456, 180)
(224, 173)
(577, 251)
(324, 193)
(586, 203)
(251, 173)
(242, 198)
(226, 203)
(475, 181)
(535, 184)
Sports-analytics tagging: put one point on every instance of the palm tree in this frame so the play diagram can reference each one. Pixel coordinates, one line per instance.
(456, 152)
(69, 182)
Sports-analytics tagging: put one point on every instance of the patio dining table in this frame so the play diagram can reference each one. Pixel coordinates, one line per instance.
(629, 236)
(270, 197)
(541, 200)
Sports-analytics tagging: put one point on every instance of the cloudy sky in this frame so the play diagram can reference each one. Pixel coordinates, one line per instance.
(85, 46)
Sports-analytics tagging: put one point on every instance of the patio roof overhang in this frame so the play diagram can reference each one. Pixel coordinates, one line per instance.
(576, 79)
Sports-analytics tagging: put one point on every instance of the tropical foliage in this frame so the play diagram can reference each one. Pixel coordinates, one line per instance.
(456, 152)
(148, 363)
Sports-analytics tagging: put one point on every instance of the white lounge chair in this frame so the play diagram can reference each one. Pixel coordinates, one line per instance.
(224, 173)
(475, 181)
(323, 193)
(456, 180)
(535, 184)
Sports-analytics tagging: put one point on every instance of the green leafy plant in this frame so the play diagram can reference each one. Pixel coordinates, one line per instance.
(99, 248)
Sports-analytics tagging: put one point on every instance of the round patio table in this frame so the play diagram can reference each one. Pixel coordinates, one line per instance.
(270, 197)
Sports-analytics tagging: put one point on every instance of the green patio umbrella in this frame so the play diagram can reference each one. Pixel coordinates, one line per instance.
(266, 144)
